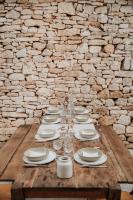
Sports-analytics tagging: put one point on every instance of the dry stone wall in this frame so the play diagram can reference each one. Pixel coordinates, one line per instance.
(49, 47)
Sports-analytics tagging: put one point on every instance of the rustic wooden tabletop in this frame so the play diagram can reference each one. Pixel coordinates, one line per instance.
(86, 182)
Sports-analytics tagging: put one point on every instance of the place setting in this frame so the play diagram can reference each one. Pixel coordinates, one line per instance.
(46, 133)
(87, 134)
(38, 156)
(90, 157)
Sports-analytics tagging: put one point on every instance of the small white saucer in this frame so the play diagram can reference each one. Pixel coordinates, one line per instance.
(99, 161)
(51, 156)
(55, 122)
(40, 139)
(78, 136)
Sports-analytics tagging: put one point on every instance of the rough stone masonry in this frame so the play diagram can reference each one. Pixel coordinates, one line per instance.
(48, 47)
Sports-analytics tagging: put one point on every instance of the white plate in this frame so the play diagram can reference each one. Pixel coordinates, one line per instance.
(85, 111)
(40, 139)
(52, 109)
(51, 156)
(55, 122)
(85, 122)
(53, 113)
(99, 161)
(46, 133)
(78, 136)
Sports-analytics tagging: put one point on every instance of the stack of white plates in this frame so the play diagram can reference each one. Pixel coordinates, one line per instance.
(90, 156)
(53, 110)
(38, 155)
(80, 110)
(87, 134)
(51, 119)
(82, 119)
(47, 135)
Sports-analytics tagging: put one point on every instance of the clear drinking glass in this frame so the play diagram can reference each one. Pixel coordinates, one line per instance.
(57, 144)
(68, 145)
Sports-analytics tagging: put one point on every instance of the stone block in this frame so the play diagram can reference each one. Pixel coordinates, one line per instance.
(67, 8)
(13, 14)
(21, 53)
(83, 48)
(69, 32)
(14, 114)
(97, 42)
(44, 92)
(32, 22)
(109, 48)
(7, 54)
(101, 10)
(16, 77)
(94, 49)
(120, 129)
(65, 48)
(124, 119)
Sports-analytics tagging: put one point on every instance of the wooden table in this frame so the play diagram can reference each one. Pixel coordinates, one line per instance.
(86, 182)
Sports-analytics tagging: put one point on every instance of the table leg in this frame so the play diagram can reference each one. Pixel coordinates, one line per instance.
(17, 192)
(114, 193)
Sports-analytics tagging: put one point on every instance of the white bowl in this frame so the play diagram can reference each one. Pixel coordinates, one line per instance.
(90, 154)
(53, 109)
(79, 109)
(81, 118)
(47, 133)
(88, 133)
(36, 154)
(51, 118)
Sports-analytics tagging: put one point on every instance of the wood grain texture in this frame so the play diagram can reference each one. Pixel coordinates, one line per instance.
(86, 182)
(9, 149)
(121, 153)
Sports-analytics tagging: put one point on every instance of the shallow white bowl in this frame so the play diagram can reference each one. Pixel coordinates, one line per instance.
(79, 109)
(36, 154)
(47, 133)
(53, 109)
(90, 154)
(81, 118)
(51, 118)
(88, 133)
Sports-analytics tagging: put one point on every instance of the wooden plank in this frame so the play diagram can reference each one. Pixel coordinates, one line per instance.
(16, 164)
(9, 149)
(121, 153)
(95, 177)
(115, 165)
(17, 192)
(5, 191)
(114, 193)
(65, 193)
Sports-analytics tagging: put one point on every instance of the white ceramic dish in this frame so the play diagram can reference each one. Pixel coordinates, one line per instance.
(51, 156)
(79, 109)
(46, 133)
(51, 118)
(81, 118)
(36, 154)
(90, 154)
(99, 161)
(88, 133)
(83, 122)
(79, 137)
(53, 122)
(52, 109)
(40, 139)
